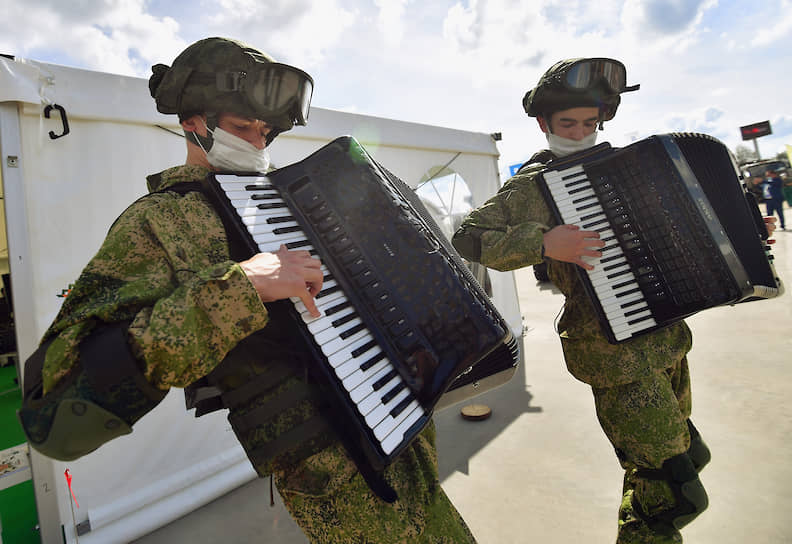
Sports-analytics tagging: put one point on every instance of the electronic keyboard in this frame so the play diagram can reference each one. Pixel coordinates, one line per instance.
(682, 234)
(403, 320)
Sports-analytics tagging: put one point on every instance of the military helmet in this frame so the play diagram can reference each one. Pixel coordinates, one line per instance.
(580, 82)
(223, 75)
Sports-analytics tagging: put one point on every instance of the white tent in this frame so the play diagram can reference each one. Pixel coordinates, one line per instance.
(61, 195)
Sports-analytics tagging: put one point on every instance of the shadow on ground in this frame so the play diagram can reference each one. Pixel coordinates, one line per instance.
(459, 439)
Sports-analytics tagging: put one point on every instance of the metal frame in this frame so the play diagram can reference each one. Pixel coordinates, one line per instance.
(42, 468)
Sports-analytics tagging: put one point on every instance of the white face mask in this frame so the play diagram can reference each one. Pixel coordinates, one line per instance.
(561, 147)
(233, 154)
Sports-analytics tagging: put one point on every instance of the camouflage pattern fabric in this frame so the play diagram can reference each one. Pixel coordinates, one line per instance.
(641, 387)
(165, 266)
(633, 530)
(646, 423)
(333, 505)
(190, 85)
(506, 234)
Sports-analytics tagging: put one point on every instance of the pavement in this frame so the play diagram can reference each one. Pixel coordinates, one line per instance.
(540, 470)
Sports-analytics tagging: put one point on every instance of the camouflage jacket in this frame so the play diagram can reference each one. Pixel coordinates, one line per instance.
(506, 233)
(165, 266)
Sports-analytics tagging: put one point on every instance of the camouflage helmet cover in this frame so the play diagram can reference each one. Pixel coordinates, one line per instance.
(188, 86)
(550, 96)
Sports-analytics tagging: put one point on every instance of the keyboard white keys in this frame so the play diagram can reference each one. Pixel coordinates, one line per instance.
(373, 401)
(366, 389)
(383, 407)
(330, 333)
(612, 279)
(269, 239)
(322, 304)
(358, 376)
(351, 350)
(345, 351)
(393, 436)
(271, 228)
(337, 347)
(291, 243)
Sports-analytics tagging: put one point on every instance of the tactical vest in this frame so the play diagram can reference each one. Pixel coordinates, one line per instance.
(275, 409)
(98, 400)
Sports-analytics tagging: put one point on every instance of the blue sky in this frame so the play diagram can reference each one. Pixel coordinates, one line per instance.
(704, 65)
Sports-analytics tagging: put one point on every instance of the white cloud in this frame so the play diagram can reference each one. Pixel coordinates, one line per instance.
(459, 63)
(657, 26)
(121, 36)
(103, 35)
(664, 17)
(495, 36)
(296, 31)
(390, 20)
(463, 27)
(777, 29)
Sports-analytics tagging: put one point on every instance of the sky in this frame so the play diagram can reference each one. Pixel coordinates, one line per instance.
(708, 66)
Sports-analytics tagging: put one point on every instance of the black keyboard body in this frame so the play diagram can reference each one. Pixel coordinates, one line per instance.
(675, 210)
(407, 286)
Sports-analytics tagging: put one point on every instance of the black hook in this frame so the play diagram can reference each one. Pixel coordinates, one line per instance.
(65, 121)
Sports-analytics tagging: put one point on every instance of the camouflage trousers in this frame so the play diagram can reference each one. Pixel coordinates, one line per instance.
(646, 421)
(332, 503)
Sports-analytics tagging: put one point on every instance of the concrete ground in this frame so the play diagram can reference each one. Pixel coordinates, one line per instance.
(540, 470)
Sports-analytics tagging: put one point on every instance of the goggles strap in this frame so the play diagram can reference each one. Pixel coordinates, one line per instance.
(228, 82)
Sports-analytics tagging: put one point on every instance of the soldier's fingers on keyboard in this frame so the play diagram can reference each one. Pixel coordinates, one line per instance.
(308, 299)
(297, 255)
(313, 280)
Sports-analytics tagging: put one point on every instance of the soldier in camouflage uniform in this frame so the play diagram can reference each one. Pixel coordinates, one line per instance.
(184, 311)
(641, 387)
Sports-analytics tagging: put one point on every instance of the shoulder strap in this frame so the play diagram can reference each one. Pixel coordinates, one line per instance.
(182, 188)
(541, 157)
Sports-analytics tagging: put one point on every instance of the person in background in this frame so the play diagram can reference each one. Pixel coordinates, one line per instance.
(788, 187)
(773, 195)
(163, 304)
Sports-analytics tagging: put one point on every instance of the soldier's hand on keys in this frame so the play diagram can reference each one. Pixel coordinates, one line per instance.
(568, 243)
(285, 274)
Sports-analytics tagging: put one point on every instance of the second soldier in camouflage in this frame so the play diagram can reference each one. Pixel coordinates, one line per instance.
(641, 387)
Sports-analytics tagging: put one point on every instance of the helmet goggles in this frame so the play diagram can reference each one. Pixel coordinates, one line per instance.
(272, 89)
(584, 74)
